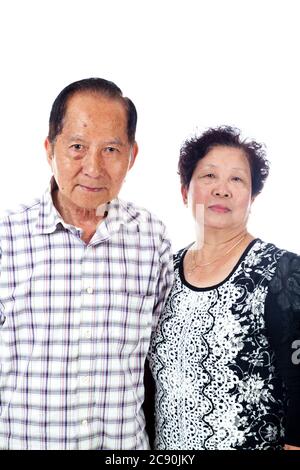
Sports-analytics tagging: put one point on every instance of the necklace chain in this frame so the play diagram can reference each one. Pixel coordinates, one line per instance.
(216, 259)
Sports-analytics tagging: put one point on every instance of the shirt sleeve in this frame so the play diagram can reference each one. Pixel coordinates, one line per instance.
(282, 315)
(163, 287)
(2, 317)
(165, 278)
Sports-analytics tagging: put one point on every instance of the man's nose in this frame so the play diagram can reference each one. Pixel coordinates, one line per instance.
(93, 164)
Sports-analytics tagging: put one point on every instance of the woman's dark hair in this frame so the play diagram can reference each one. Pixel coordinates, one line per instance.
(93, 85)
(196, 148)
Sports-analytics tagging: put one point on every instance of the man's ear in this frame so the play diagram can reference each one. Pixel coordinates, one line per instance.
(49, 150)
(133, 153)
(184, 193)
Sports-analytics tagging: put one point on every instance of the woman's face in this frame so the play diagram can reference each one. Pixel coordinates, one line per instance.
(221, 188)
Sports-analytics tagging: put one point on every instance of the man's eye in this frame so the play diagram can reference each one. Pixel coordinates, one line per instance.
(111, 150)
(77, 146)
(209, 175)
(237, 178)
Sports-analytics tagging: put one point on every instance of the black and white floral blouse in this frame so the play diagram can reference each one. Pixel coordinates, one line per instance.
(225, 359)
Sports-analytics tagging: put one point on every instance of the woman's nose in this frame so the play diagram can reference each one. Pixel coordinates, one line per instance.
(222, 191)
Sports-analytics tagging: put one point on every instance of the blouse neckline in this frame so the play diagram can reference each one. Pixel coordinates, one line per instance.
(215, 286)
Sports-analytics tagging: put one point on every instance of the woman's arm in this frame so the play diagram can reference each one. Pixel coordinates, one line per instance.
(282, 314)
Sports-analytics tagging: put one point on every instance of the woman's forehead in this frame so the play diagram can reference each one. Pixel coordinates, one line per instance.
(222, 156)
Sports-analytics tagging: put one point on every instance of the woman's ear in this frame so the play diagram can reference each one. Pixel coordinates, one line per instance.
(184, 193)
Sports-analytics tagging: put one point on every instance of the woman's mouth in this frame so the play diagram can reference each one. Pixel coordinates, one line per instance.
(219, 208)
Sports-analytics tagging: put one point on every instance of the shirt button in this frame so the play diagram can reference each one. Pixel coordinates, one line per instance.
(84, 423)
(87, 333)
(89, 290)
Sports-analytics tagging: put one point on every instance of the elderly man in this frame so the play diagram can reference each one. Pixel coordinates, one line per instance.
(83, 278)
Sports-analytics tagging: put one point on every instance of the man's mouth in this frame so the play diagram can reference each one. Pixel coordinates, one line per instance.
(90, 188)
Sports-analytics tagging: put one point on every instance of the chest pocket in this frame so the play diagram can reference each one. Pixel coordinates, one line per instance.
(127, 321)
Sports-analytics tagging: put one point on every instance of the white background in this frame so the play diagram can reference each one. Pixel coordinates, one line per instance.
(187, 65)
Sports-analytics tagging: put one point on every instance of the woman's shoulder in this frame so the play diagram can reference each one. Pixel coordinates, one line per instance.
(177, 257)
(180, 253)
(271, 253)
(283, 299)
(286, 280)
(287, 261)
(273, 262)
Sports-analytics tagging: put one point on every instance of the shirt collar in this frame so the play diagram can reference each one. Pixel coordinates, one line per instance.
(119, 213)
(48, 218)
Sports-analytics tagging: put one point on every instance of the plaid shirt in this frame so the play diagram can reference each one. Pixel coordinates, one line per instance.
(75, 325)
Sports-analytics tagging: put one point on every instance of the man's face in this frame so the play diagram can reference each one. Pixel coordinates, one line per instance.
(91, 156)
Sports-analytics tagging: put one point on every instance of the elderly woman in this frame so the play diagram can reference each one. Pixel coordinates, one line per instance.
(224, 356)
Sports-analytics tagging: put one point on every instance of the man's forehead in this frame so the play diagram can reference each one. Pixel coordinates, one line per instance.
(83, 98)
(83, 108)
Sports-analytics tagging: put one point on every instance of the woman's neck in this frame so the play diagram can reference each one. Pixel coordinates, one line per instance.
(215, 239)
(217, 244)
(212, 263)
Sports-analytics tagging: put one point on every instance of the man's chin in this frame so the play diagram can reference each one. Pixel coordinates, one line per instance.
(92, 202)
(98, 206)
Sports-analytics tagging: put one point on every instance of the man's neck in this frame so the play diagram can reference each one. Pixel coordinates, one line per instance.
(86, 219)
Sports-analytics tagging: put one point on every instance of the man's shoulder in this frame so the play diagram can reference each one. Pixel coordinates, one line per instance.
(20, 213)
(140, 215)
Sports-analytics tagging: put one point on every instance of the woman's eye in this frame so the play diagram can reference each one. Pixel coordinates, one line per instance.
(237, 178)
(209, 175)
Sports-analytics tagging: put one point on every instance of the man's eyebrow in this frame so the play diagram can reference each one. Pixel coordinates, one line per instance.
(79, 138)
(75, 137)
(115, 141)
